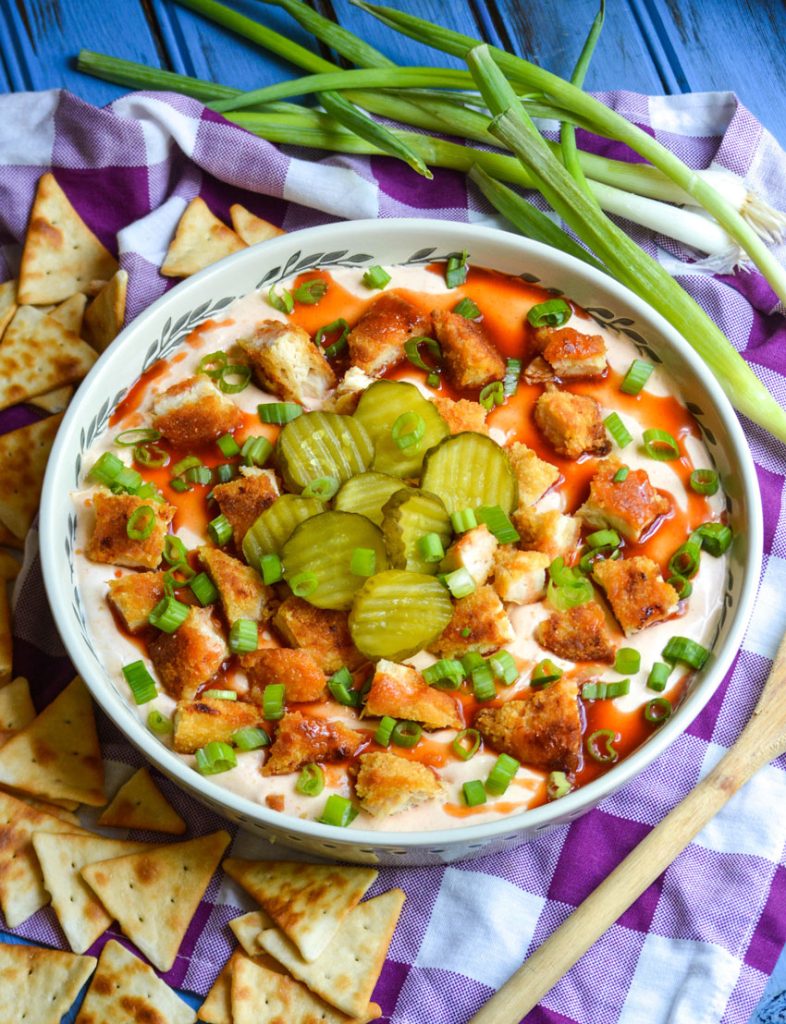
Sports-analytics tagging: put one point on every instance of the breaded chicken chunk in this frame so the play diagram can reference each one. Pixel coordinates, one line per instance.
(577, 634)
(520, 576)
(241, 590)
(471, 360)
(244, 498)
(287, 362)
(636, 591)
(387, 784)
(302, 677)
(110, 542)
(134, 597)
(535, 475)
(376, 342)
(461, 415)
(572, 424)
(401, 692)
(550, 532)
(570, 353)
(198, 722)
(303, 739)
(629, 506)
(479, 624)
(541, 730)
(325, 634)
(187, 658)
(347, 395)
(473, 551)
(194, 412)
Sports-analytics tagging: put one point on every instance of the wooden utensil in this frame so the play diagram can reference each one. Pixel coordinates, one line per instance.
(762, 740)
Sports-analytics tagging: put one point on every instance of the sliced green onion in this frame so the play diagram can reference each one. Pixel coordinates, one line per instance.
(433, 380)
(234, 378)
(474, 793)
(683, 587)
(504, 667)
(557, 785)
(501, 775)
(199, 475)
(600, 746)
(225, 471)
(219, 694)
(339, 344)
(657, 710)
(303, 584)
(412, 349)
(552, 313)
(659, 676)
(704, 481)
(467, 309)
(715, 538)
(471, 661)
(141, 523)
(446, 674)
(456, 269)
(376, 277)
(604, 539)
(660, 445)
(491, 395)
(175, 552)
(310, 292)
(271, 569)
(408, 430)
(406, 734)
(250, 738)
(430, 547)
(363, 562)
(324, 488)
(460, 583)
(545, 672)
(627, 661)
(282, 301)
(143, 686)
(637, 376)
(463, 520)
(215, 757)
(621, 475)
(137, 435)
(483, 687)
(498, 522)
(606, 691)
(273, 702)
(189, 462)
(168, 615)
(279, 412)
(619, 432)
(385, 730)
(127, 480)
(338, 811)
(256, 450)
(510, 381)
(159, 723)
(212, 364)
(220, 530)
(151, 456)
(465, 631)
(203, 589)
(686, 560)
(341, 689)
(228, 446)
(311, 780)
(680, 648)
(466, 744)
(243, 636)
(567, 588)
(106, 469)
(180, 484)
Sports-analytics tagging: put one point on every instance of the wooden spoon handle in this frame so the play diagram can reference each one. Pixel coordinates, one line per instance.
(554, 958)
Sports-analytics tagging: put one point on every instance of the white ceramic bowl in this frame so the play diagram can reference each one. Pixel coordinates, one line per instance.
(158, 331)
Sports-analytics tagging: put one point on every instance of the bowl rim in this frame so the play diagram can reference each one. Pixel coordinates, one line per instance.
(460, 235)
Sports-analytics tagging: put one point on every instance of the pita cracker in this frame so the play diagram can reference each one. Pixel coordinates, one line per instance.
(61, 254)
(106, 313)
(252, 229)
(37, 355)
(54, 401)
(217, 1007)
(139, 803)
(62, 857)
(38, 986)
(6, 640)
(9, 566)
(58, 754)
(200, 239)
(71, 313)
(126, 991)
(346, 973)
(23, 456)
(22, 889)
(10, 540)
(261, 996)
(308, 902)
(16, 705)
(154, 894)
(46, 808)
(248, 927)
(7, 304)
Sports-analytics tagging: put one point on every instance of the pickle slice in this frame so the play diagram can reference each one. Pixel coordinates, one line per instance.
(322, 444)
(366, 494)
(468, 470)
(271, 529)
(381, 405)
(408, 516)
(397, 613)
(317, 558)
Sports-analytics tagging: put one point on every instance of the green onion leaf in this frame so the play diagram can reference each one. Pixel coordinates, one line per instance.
(467, 309)
(106, 469)
(552, 313)
(341, 689)
(510, 381)
(683, 587)
(311, 780)
(456, 269)
(619, 432)
(219, 694)
(604, 539)
(141, 523)
(228, 446)
(212, 364)
(491, 395)
(137, 435)
(271, 569)
(501, 775)
(460, 583)
(250, 738)
(159, 723)
(243, 636)
(234, 378)
(605, 691)
(220, 530)
(385, 730)
(282, 301)
(279, 412)
(430, 547)
(621, 475)
(412, 351)
(681, 648)
(660, 445)
(715, 538)
(557, 785)
(474, 793)
(445, 674)
(363, 562)
(463, 520)
(657, 710)
(168, 615)
(406, 734)
(376, 277)
(483, 687)
(627, 661)
(637, 376)
(310, 292)
(466, 744)
(686, 560)
(498, 522)
(659, 675)
(203, 589)
(143, 686)
(704, 481)
(215, 757)
(303, 584)
(545, 672)
(151, 456)
(600, 746)
(338, 811)
(504, 667)
(567, 588)
(340, 328)
(324, 488)
(273, 702)
(408, 430)
(256, 450)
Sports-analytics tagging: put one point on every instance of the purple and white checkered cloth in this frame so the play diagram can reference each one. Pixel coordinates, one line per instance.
(699, 945)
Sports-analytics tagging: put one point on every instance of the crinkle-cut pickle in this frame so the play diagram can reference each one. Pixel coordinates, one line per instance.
(320, 444)
(397, 613)
(468, 470)
(272, 528)
(366, 494)
(380, 405)
(323, 546)
(408, 516)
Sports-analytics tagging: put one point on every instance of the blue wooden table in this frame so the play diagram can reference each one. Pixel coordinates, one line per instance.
(650, 46)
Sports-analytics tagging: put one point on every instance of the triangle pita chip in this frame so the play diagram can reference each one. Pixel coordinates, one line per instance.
(7, 304)
(16, 706)
(252, 229)
(217, 1007)
(21, 882)
(8, 539)
(346, 973)
(6, 639)
(46, 808)
(54, 401)
(38, 986)
(140, 804)
(200, 239)
(71, 313)
(126, 991)
(308, 902)
(37, 355)
(61, 254)
(261, 996)
(248, 927)
(153, 895)
(23, 455)
(106, 313)
(58, 755)
(62, 857)
(9, 566)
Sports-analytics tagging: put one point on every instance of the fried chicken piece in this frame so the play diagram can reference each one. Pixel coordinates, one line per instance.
(189, 657)
(401, 692)
(244, 498)
(629, 506)
(243, 594)
(572, 424)
(520, 576)
(636, 591)
(325, 634)
(550, 532)
(462, 415)
(535, 475)
(479, 623)
(376, 342)
(474, 551)
(471, 360)
(570, 353)
(135, 596)
(110, 542)
(387, 784)
(287, 362)
(302, 677)
(577, 634)
(202, 721)
(302, 739)
(194, 412)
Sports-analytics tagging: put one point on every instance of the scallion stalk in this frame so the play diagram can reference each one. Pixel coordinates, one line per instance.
(567, 136)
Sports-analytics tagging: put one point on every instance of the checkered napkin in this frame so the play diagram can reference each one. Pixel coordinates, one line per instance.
(699, 945)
